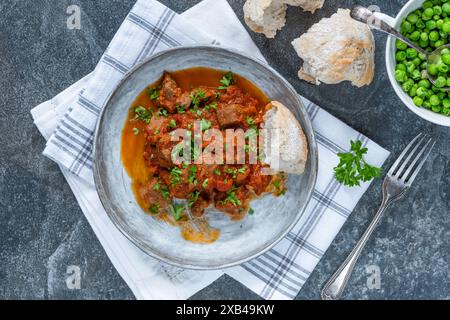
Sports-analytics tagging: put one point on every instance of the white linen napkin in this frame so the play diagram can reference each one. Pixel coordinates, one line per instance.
(67, 122)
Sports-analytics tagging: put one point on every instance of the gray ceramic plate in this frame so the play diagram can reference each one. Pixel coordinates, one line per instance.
(239, 241)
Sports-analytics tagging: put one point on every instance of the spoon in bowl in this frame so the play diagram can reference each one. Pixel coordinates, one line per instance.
(364, 15)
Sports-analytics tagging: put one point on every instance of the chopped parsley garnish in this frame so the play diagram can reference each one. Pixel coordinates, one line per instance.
(352, 168)
(135, 131)
(157, 131)
(163, 112)
(231, 197)
(205, 124)
(251, 123)
(181, 109)
(153, 94)
(217, 172)
(212, 105)
(172, 124)
(157, 186)
(175, 175)
(226, 81)
(193, 198)
(234, 172)
(176, 211)
(165, 192)
(154, 208)
(251, 133)
(205, 183)
(192, 177)
(197, 97)
(143, 114)
(251, 211)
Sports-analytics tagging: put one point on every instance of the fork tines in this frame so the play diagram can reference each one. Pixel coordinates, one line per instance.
(412, 159)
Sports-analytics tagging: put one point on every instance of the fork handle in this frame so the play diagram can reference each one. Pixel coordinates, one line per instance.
(335, 286)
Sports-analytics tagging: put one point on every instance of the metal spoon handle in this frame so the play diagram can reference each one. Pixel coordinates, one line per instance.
(364, 15)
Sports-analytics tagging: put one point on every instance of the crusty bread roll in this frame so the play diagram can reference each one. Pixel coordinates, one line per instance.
(269, 16)
(285, 146)
(337, 49)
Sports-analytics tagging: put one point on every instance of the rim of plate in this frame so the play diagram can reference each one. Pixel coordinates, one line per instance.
(313, 157)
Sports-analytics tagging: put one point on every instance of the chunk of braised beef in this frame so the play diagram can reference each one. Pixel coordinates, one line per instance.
(164, 148)
(153, 194)
(169, 94)
(258, 181)
(230, 115)
(199, 206)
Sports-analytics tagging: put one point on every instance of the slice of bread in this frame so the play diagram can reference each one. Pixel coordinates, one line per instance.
(285, 147)
(269, 16)
(265, 16)
(337, 49)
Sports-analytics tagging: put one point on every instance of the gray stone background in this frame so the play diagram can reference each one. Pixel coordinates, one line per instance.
(42, 229)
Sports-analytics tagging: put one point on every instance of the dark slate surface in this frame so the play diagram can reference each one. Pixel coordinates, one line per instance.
(43, 230)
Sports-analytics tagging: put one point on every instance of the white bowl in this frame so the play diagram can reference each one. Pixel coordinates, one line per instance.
(391, 63)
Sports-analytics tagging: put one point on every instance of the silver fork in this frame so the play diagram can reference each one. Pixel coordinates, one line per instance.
(397, 181)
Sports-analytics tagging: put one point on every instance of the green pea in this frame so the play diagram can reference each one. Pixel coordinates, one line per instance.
(407, 85)
(422, 92)
(435, 89)
(411, 53)
(416, 61)
(400, 45)
(423, 44)
(436, 109)
(432, 69)
(415, 36)
(433, 36)
(446, 26)
(423, 66)
(422, 57)
(412, 18)
(410, 66)
(420, 24)
(439, 43)
(446, 103)
(442, 95)
(439, 24)
(406, 26)
(445, 111)
(448, 82)
(445, 51)
(400, 76)
(424, 84)
(441, 82)
(418, 101)
(434, 100)
(427, 4)
(400, 66)
(413, 92)
(446, 7)
(400, 56)
(416, 75)
(428, 13)
(437, 10)
(446, 57)
(443, 68)
(430, 25)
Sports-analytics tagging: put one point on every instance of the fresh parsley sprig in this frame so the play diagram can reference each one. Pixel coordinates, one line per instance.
(226, 81)
(352, 168)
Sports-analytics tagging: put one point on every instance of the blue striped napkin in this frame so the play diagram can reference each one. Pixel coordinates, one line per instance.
(68, 122)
